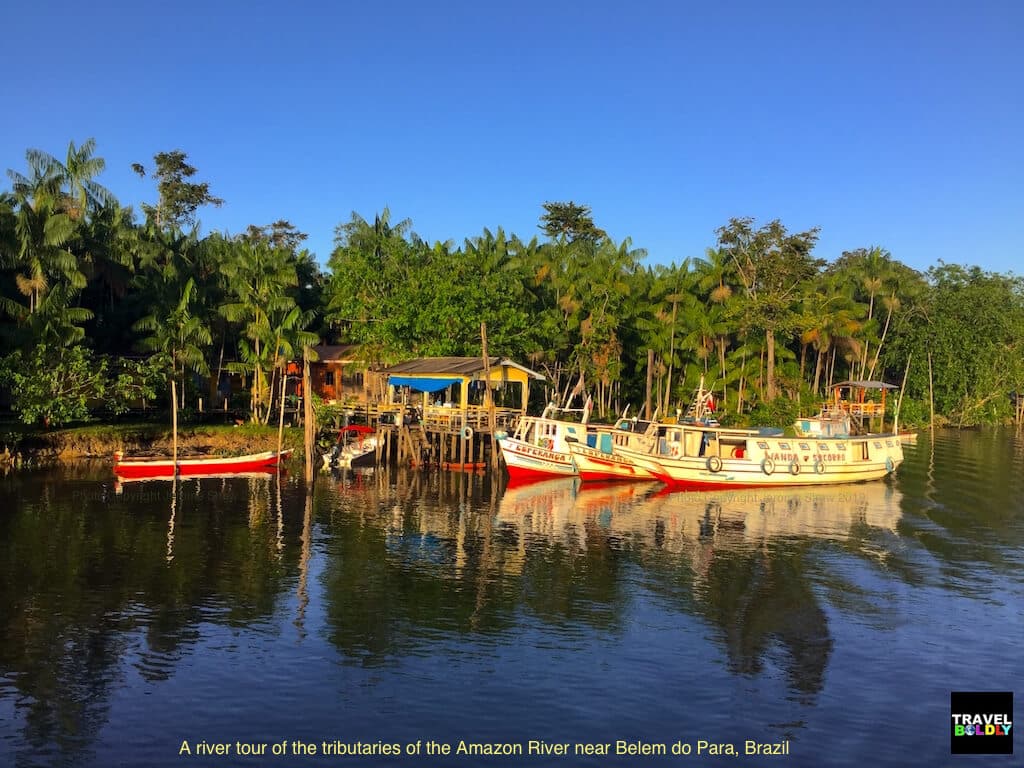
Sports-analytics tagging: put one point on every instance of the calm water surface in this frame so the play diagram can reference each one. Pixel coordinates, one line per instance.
(400, 607)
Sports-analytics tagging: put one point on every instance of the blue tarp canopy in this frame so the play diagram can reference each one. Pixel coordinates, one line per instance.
(422, 384)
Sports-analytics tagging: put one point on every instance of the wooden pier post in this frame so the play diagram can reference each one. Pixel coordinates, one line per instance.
(174, 423)
(308, 416)
(280, 424)
(491, 411)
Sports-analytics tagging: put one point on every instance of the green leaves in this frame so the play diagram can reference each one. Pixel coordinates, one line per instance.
(262, 279)
(52, 386)
(179, 198)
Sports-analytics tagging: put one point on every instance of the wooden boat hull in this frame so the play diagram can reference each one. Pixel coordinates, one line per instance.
(594, 465)
(525, 460)
(142, 468)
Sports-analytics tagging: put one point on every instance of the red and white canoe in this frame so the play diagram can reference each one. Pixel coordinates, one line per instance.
(214, 465)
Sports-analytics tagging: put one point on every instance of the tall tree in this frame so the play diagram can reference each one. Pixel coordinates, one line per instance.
(47, 272)
(259, 279)
(178, 197)
(178, 337)
(771, 264)
(569, 222)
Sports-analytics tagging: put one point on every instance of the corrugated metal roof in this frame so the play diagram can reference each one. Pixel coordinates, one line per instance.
(455, 366)
(335, 352)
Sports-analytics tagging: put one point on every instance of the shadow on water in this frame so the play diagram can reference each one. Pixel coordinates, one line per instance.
(406, 580)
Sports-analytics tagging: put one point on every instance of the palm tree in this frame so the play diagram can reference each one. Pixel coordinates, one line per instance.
(718, 280)
(76, 173)
(42, 234)
(273, 326)
(177, 335)
(829, 313)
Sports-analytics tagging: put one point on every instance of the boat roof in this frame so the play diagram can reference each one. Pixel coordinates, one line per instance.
(865, 385)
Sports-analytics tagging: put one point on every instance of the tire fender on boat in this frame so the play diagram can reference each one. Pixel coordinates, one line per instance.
(546, 442)
(466, 433)
(767, 466)
(819, 466)
(714, 463)
(794, 467)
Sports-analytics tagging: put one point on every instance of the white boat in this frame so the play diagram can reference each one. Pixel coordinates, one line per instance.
(827, 450)
(696, 457)
(598, 459)
(539, 446)
(608, 453)
(356, 447)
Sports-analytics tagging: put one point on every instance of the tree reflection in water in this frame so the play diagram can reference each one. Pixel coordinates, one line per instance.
(394, 570)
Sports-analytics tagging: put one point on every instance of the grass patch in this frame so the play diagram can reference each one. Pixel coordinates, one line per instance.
(102, 440)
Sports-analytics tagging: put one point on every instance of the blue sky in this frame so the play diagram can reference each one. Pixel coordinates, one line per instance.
(896, 124)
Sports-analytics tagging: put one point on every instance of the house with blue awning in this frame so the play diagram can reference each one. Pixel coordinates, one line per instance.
(460, 382)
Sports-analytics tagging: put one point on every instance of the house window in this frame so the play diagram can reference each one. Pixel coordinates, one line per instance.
(329, 379)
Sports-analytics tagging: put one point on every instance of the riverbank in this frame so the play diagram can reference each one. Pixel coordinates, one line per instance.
(102, 440)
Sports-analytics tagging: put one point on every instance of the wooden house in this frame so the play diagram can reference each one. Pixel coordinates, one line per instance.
(337, 374)
(460, 383)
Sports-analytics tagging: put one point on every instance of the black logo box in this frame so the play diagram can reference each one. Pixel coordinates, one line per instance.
(981, 703)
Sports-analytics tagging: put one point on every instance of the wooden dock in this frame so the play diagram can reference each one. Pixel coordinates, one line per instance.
(435, 436)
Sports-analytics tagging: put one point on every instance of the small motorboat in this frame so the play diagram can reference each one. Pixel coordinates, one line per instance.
(356, 447)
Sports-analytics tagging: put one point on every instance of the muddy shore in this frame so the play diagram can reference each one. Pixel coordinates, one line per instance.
(102, 441)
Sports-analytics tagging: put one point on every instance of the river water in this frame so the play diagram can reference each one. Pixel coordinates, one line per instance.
(414, 611)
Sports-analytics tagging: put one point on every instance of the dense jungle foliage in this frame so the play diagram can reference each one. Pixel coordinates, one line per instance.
(103, 305)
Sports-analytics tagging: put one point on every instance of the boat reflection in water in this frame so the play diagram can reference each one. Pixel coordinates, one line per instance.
(829, 513)
(564, 507)
(750, 564)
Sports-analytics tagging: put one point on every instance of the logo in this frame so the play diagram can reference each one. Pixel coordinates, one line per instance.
(981, 723)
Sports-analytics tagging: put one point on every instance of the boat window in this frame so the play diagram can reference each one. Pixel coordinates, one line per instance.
(878, 443)
(841, 446)
(762, 445)
(784, 446)
(823, 447)
(804, 447)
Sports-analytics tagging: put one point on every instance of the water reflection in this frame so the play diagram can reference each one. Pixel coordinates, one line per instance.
(736, 558)
(98, 586)
(388, 584)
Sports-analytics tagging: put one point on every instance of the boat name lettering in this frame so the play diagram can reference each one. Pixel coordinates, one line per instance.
(782, 456)
(539, 453)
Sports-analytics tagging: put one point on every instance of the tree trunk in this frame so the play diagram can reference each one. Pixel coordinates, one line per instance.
(650, 382)
(871, 314)
(769, 337)
(254, 392)
(817, 371)
(881, 341)
(671, 355)
(721, 362)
